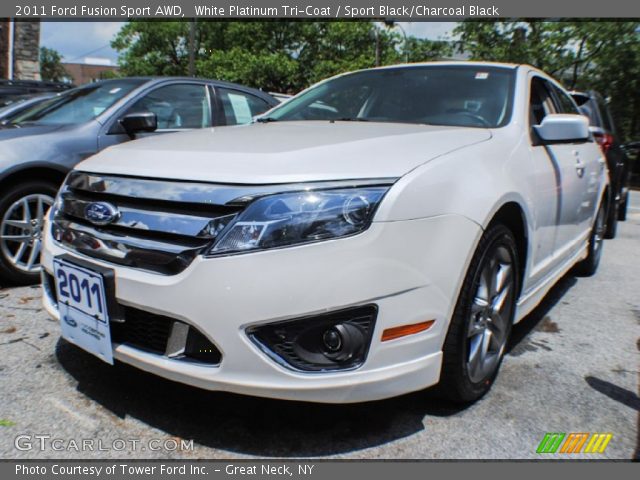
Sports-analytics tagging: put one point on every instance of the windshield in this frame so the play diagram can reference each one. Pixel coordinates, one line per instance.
(461, 95)
(78, 105)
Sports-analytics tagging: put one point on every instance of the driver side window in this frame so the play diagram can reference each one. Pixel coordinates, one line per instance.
(180, 106)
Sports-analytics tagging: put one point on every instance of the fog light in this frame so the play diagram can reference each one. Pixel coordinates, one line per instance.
(334, 341)
(347, 340)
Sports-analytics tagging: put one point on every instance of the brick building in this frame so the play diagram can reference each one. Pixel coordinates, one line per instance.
(91, 70)
(20, 49)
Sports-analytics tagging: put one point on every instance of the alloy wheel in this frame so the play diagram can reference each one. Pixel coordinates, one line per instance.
(490, 313)
(21, 231)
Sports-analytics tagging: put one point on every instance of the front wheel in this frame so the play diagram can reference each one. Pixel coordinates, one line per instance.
(482, 319)
(22, 211)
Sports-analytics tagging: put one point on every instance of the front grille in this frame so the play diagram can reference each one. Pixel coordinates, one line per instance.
(143, 330)
(151, 332)
(160, 226)
(154, 224)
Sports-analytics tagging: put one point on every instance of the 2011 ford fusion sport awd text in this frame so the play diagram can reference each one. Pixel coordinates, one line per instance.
(377, 234)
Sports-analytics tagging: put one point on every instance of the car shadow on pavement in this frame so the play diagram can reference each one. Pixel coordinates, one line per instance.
(614, 392)
(264, 427)
(539, 318)
(247, 425)
(621, 395)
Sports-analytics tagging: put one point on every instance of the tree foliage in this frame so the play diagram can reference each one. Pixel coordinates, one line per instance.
(51, 67)
(599, 55)
(274, 55)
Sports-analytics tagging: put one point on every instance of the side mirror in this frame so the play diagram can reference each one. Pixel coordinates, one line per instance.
(139, 122)
(563, 127)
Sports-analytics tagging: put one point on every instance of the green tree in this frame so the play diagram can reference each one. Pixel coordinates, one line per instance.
(153, 48)
(269, 71)
(423, 50)
(51, 67)
(599, 55)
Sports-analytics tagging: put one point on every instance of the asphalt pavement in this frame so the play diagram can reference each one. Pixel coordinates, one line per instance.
(572, 366)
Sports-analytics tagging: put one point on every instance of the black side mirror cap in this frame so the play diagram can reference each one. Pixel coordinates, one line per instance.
(137, 122)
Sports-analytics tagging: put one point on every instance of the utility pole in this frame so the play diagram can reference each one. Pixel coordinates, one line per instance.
(192, 47)
(405, 46)
(377, 46)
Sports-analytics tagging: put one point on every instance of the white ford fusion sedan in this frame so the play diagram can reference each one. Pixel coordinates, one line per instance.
(375, 235)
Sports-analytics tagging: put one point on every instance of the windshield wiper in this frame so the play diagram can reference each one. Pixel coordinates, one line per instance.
(266, 119)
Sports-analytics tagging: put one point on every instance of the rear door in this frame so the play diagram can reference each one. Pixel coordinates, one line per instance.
(238, 107)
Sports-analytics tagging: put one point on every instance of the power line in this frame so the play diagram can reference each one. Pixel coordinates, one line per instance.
(89, 53)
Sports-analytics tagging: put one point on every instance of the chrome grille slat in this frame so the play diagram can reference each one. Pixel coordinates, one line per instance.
(151, 220)
(161, 257)
(162, 235)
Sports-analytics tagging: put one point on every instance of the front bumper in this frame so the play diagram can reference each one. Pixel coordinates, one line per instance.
(410, 269)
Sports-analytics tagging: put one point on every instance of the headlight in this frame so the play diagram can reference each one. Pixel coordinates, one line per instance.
(300, 217)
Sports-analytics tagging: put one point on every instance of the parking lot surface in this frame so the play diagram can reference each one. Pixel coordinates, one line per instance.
(572, 366)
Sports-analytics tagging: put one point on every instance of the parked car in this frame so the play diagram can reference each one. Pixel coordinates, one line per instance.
(372, 247)
(16, 105)
(39, 146)
(594, 106)
(16, 88)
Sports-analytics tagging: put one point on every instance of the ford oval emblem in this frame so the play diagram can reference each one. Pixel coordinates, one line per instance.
(70, 321)
(101, 213)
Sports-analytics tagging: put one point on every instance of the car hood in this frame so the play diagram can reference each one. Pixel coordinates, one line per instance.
(41, 143)
(285, 152)
(8, 132)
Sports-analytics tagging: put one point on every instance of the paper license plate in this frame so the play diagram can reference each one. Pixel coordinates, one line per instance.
(82, 304)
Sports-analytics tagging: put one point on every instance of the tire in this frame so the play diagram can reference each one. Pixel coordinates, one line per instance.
(465, 376)
(612, 222)
(20, 230)
(589, 266)
(624, 204)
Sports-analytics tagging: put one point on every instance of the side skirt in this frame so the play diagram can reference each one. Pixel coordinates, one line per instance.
(532, 299)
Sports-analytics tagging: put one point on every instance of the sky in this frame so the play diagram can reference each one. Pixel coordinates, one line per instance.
(78, 40)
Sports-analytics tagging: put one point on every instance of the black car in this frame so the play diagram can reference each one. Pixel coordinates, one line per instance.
(594, 106)
(632, 149)
(40, 145)
(15, 88)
